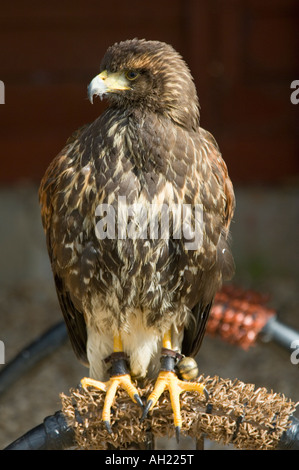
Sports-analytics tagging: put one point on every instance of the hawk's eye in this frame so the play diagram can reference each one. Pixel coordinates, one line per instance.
(131, 75)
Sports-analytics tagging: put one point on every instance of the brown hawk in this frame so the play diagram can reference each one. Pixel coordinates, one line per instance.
(136, 294)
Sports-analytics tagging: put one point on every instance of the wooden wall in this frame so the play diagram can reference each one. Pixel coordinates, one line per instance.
(242, 53)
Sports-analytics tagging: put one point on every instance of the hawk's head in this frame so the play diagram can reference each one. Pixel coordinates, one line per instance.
(148, 75)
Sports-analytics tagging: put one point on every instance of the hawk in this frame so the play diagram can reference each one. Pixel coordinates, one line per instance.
(135, 292)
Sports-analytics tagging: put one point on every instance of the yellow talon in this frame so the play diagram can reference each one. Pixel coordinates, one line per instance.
(175, 386)
(110, 387)
(167, 379)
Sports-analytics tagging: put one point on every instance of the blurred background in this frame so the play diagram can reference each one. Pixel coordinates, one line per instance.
(243, 55)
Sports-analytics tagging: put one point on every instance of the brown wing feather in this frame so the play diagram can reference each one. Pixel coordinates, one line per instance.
(74, 321)
(74, 318)
(195, 330)
(194, 334)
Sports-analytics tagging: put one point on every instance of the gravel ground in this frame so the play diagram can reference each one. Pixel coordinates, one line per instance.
(265, 245)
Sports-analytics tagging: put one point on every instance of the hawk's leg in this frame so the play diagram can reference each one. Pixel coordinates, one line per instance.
(167, 379)
(119, 377)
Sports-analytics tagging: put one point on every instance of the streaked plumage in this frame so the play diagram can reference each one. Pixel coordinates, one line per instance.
(148, 147)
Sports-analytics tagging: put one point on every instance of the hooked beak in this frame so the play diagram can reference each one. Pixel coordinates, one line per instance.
(107, 83)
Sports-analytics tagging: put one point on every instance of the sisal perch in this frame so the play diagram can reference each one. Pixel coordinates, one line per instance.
(236, 413)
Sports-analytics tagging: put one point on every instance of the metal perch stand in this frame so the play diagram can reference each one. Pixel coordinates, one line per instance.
(235, 413)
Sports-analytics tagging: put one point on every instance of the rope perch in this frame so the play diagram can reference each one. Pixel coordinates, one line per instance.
(236, 413)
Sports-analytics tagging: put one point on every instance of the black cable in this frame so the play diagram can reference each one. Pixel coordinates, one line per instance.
(32, 354)
(53, 434)
(290, 438)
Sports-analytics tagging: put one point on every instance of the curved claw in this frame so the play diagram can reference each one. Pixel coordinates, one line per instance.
(110, 387)
(178, 433)
(207, 395)
(146, 409)
(108, 427)
(138, 400)
(169, 380)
